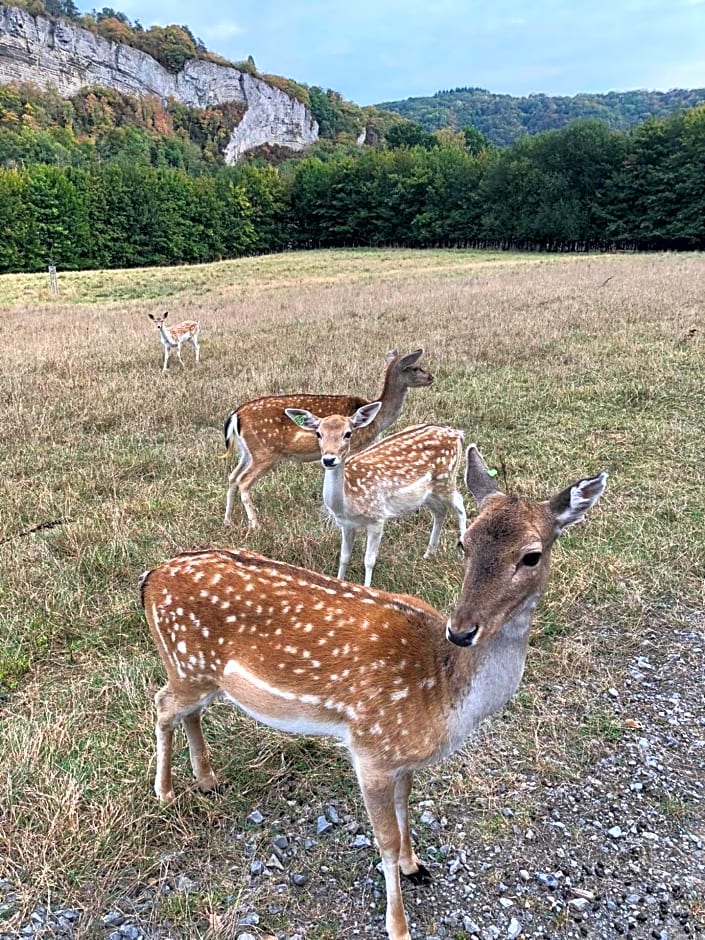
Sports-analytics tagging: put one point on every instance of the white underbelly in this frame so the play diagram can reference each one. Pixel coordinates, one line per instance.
(296, 724)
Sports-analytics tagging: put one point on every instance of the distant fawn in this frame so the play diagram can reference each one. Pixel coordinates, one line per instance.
(174, 337)
(401, 685)
(392, 478)
(265, 436)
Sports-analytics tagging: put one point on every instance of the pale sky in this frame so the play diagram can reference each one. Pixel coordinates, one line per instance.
(382, 50)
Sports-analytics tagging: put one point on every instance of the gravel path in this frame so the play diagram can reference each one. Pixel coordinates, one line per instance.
(616, 853)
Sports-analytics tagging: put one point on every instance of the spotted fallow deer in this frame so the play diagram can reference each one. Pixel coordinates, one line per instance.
(392, 478)
(265, 436)
(174, 337)
(401, 685)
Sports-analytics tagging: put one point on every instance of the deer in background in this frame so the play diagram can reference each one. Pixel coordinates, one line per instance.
(174, 337)
(401, 685)
(392, 478)
(265, 436)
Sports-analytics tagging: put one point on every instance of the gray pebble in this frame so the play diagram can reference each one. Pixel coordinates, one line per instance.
(514, 928)
(332, 814)
(255, 817)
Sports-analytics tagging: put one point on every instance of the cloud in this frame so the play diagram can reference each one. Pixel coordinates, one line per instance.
(223, 30)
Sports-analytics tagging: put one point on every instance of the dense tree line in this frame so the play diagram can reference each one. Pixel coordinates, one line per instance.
(583, 187)
(505, 118)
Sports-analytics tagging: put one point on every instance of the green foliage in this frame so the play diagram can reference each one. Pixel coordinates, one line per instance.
(101, 125)
(503, 118)
(336, 116)
(124, 215)
(409, 134)
(103, 180)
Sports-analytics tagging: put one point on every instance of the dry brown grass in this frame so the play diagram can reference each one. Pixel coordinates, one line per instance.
(557, 367)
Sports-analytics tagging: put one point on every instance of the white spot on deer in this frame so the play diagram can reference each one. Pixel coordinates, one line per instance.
(181, 646)
(398, 696)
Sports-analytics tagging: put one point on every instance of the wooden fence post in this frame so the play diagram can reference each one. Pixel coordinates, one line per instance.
(53, 281)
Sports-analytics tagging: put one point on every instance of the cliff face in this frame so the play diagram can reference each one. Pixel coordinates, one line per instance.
(42, 52)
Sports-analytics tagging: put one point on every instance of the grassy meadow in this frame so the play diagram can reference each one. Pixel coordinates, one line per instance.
(558, 367)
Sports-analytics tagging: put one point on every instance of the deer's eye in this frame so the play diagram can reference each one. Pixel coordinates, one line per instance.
(347, 435)
(319, 435)
(531, 559)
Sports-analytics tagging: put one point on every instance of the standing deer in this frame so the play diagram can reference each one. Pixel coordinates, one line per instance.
(174, 337)
(392, 478)
(401, 685)
(265, 436)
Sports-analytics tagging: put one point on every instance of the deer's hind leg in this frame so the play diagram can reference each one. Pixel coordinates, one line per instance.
(174, 709)
(247, 472)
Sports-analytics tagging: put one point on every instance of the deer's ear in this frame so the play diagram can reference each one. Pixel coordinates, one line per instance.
(392, 354)
(570, 506)
(365, 415)
(303, 419)
(410, 359)
(477, 477)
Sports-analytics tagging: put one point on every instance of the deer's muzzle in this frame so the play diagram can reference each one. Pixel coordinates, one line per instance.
(463, 638)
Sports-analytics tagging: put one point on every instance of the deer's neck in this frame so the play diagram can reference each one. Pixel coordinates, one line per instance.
(484, 678)
(393, 397)
(167, 338)
(334, 489)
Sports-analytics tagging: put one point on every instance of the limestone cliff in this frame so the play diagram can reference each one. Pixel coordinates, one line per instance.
(45, 52)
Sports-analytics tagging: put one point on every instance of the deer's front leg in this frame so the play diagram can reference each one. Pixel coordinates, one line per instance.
(374, 537)
(379, 796)
(347, 538)
(409, 862)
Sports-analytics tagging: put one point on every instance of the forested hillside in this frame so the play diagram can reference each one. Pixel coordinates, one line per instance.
(583, 187)
(107, 180)
(504, 118)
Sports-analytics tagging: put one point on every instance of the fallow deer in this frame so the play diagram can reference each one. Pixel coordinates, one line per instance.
(265, 436)
(392, 478)
(174, 337)
(401, 685)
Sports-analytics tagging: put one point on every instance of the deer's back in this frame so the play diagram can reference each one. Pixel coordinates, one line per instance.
(263, 421)
(402, 467)
(324, 650)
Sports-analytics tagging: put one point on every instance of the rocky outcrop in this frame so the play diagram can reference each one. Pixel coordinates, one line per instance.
(48, 53)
